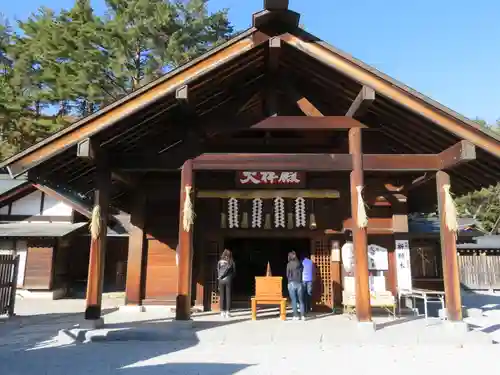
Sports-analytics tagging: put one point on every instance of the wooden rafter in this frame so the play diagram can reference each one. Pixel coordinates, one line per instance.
(70, 136)
(362, 102)
(304, 104)
(414, 102)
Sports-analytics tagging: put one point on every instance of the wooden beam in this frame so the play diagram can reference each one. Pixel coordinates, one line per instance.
(292, 162)
(185, 248)
(457, 154)
(302, 102)
(69, 137)
(136, 248)
(182, 94)
(419, 181)
(268, 194)
(271, 105)
(362, 102)
(295, 162)
(86, 149)
(80, 208)
(378, 225)
(424, 108)
(405, 162)
(125, 179)
(98, 245)
(360, 238)
(449, 253)
(274, 55)
(308, 123)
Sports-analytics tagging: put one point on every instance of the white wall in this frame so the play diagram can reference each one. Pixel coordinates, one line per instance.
(53, 207)
(28, 205)
(22, 251)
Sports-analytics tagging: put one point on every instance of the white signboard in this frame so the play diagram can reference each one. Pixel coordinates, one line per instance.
(377, 258)
(403, 269)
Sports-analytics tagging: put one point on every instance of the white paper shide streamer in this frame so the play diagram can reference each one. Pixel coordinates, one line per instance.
(300, 212)
(362, 218)
(257, 213)
(279, 212)
(95, 222)
(450, 210)
(233, 214)
(188, 211)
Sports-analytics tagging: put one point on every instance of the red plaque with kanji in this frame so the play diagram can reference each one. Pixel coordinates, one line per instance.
(270, 178)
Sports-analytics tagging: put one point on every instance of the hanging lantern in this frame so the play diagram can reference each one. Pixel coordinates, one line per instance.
(244, 220)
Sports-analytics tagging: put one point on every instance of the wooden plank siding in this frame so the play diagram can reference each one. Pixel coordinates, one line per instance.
(479, 269)
(39, 272)
(161, 272)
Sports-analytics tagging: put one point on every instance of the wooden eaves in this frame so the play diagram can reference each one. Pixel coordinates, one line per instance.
(416, 123)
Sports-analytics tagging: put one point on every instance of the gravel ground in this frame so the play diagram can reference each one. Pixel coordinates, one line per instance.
(29, 344)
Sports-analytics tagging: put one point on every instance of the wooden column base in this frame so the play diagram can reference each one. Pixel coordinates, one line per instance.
(182, 308)
(93, 312)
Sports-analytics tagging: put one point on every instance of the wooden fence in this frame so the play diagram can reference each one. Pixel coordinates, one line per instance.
(479, 269)
(8, 281)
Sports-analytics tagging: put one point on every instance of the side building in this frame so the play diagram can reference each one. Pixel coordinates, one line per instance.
(49, 232)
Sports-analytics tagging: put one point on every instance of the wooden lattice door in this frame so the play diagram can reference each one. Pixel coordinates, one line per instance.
(322, 291)
(212, 250)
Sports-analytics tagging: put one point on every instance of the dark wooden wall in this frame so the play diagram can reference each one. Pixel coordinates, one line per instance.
(162, 223)
(73, 260)
(162, 227)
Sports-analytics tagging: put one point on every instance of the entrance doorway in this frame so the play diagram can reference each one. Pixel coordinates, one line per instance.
(251, 256)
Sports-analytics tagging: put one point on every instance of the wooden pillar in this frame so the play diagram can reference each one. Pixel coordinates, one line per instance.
(363, 309)
(449, 254)
(135, 282)
(98, 244)
(185, 248)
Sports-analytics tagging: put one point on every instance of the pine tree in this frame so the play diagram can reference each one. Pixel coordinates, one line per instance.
(69, 64)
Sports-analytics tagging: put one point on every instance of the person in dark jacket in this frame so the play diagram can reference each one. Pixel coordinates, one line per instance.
(294, 277)
(226, 270)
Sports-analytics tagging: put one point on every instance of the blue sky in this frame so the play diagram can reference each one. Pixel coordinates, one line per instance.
(446, 49)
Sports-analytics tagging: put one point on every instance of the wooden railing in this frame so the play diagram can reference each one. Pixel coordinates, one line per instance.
(8, 279)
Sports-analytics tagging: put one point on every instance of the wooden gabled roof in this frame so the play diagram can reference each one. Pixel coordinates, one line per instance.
(231, 82)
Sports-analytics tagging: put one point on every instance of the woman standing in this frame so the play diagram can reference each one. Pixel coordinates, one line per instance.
(294, 276)
(225, 272)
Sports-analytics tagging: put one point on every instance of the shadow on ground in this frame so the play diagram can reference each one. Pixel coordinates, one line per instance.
(104, 359)
(28, 345)
(481, 300)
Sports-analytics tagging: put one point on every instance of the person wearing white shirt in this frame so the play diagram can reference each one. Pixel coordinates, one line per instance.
(347, 253)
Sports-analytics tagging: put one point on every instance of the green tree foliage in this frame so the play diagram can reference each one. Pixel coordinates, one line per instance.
(483, 205)
(59, 66)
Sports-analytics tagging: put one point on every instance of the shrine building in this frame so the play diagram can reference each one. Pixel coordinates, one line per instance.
(271, 142)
